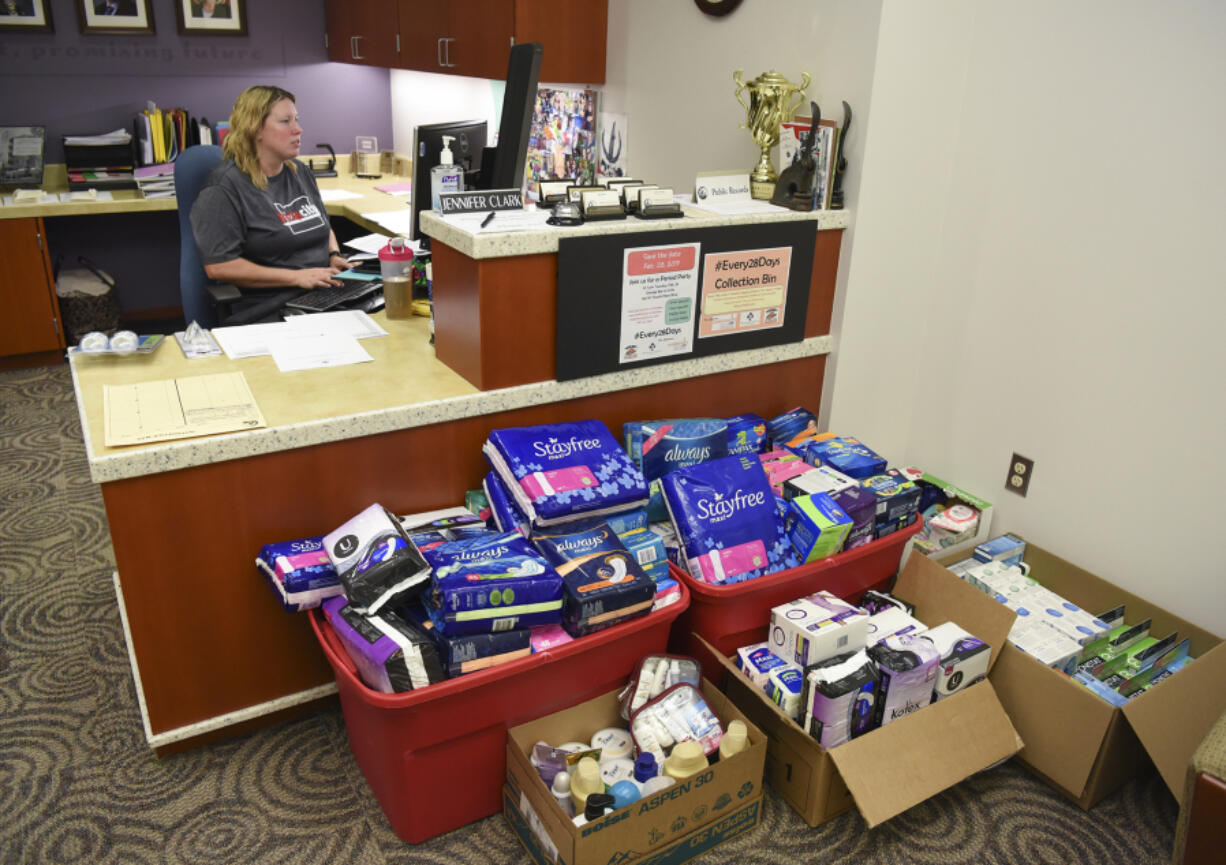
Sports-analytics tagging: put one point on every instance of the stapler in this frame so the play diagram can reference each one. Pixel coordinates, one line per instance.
(330, 171)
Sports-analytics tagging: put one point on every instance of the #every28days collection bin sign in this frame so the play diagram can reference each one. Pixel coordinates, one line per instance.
(626, 300)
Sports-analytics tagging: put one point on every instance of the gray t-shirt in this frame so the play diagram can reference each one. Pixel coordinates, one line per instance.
(284, 225)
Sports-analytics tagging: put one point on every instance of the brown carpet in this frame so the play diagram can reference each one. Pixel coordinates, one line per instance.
(78, 784)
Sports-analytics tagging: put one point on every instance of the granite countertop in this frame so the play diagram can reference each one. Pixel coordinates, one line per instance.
(326, 405)
(495, 244)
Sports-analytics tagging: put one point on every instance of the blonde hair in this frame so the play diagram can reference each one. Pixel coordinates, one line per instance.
(251, 109)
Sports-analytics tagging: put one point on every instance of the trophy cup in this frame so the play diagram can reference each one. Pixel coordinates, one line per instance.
(772, 100)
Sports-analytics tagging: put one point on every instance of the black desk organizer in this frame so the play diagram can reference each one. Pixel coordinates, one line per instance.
(117, 159)
(660, 211)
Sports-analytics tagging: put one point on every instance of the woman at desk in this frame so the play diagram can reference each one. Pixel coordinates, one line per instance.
(259, 220)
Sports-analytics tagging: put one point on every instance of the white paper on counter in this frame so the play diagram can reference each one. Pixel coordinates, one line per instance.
(295, 351)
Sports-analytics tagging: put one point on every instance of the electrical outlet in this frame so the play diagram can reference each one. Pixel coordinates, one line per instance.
(1020, 470)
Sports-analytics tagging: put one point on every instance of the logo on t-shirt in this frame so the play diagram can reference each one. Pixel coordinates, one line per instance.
(300, 215)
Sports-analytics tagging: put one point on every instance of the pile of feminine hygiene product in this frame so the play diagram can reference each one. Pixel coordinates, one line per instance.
(671, 733)
(841, 670)
(1116, 660)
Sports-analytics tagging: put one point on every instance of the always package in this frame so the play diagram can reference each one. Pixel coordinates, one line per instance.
(494, 583)
(659, 447)
(391, 654)
(603, 582)
(564, 471)
(375, 560)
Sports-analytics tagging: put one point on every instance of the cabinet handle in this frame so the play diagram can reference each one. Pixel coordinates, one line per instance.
(39, 237)
(449, 41)
(397, 43)
(439, 52)
(356, 42)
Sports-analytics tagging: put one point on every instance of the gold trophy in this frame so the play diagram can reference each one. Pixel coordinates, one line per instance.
(773, 100)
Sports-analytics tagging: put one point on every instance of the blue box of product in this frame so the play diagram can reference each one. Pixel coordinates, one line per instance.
(897, 502)
(816, 526)
(746, 434)
(1006, 548)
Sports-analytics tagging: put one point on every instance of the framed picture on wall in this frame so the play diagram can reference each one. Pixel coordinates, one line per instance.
(211, 17)
(115, 16)
(25, 16)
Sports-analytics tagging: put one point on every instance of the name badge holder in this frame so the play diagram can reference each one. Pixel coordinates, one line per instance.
(551, 192)
(601, 205)
(598, 212)
(658, 204)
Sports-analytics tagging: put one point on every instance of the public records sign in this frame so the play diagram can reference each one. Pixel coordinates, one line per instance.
(659, 286)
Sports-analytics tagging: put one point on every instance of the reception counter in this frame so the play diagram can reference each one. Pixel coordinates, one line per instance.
(212, 651)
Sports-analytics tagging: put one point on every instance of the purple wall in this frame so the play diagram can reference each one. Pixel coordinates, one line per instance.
(79, 84)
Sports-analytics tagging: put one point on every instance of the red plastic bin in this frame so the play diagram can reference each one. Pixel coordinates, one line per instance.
(436, 758)
(735, 615)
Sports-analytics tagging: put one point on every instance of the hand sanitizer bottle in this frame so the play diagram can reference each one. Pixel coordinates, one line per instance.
(445, 177)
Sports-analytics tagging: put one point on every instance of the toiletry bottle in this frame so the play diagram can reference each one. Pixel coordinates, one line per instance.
(445, 177)
(597, 805)
(645, 768)
(686, 759)
(623, 793)
(735, 739)
(585, 781)
(561, 792)
(654, 785)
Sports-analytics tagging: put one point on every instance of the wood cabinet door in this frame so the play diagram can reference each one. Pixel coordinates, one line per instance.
(480, 34)
(423, 27)
(363, 32)
(573, 33)
(29, 319)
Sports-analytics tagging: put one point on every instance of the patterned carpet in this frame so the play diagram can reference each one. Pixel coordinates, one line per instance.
(78, 784)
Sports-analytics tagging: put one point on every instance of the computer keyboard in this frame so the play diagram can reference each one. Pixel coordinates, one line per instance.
(323, 299)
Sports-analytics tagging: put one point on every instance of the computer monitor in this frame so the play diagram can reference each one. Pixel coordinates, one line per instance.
(506, 169)
(466, 152)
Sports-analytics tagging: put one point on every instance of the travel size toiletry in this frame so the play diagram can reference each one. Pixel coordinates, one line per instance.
(561, 792)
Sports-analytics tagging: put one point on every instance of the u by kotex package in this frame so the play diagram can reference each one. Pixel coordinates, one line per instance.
(488, 584)
(659, 447)
(726, 520)
(300, 572)
(506, 513)
(604, 584)
(391, 653)
(564, 471)
(377, 563)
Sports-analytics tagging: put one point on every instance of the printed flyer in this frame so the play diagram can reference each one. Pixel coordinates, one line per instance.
(744, 291)
(659, 287)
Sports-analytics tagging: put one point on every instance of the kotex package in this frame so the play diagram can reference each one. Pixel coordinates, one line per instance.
(679, 714)
(604, 584)
(839, 698)
(746, 434)
(783, 427)
(816, 527)
(907, 669)
(391, 653)
(300, 573)
(659, 447)
(564, 471)
(506, 513)
(489, 584)
(376, 562)
(725, 517)
(655, 674)
(780, 467)
(964, 658)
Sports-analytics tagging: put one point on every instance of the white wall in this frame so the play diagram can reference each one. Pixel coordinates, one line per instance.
(424, 97)
(1038, 267)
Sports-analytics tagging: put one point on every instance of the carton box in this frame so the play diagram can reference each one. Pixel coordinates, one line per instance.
(887, 771)
(675, 824)
(953, 495)
(1085, 747)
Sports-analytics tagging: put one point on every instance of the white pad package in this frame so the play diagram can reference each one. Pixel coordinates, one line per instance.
(655, 674)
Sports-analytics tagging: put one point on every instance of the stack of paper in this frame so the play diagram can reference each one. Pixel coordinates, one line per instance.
(156, 181)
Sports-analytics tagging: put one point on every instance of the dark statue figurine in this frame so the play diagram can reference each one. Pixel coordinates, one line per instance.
(796, 187)
(840, 161)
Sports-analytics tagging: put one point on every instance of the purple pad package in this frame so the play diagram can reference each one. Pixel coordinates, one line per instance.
(908, 667)
(564, 471)
(376, 562)
(492, 583)
(604, 583)
(392, 654)
(726, 520)
(840, 694)
(300, 573)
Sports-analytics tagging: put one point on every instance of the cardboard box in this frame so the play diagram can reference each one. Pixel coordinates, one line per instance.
(893, 768)
(675, 824)
(1085, 747)
(954, 495)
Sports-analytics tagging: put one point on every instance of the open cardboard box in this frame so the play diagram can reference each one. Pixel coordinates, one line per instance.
(1082, 745)
(681, 821)
(954, 494)
(901, 764)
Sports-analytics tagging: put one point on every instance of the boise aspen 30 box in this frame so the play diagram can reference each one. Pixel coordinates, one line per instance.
(888, 770)
(1083, 745)
(679, 822)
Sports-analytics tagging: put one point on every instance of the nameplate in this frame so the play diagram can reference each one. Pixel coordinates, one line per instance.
(471, 202)
(718, 186)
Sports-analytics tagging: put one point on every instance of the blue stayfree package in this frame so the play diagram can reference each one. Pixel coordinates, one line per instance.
(604, 584)
(816, 527)
(564, 471)
(506, 513)
(483, 585)
(726, 521)
(300, 572)
(746, 434)
(659, 447)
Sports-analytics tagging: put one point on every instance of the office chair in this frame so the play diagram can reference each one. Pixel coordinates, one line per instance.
(204, 301)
